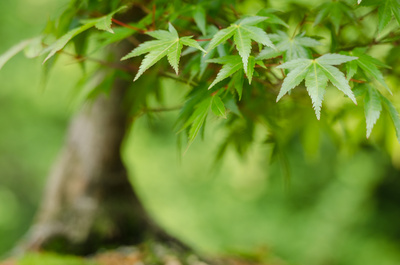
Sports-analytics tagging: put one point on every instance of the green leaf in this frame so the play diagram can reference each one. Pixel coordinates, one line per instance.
(243, 45)
(243, 33)
(34, 47)
(268, 53)
(367, 63)
(322, 14)
(396, 9)
(198, 118)
(373, 108)
(154, 56)
(336, 15)
(105, 39)
(273, 19)
(145, 48)
(293, 79)
(231, 64)
(218, 107)
(385, 10)
(250, 21)
(61, 42)
(172, 30)
(394, 115)
(338, 80)
(220, 37)
(161, 34)
(335, 59)
(167, 44)
(316, 83)
(192, 43)
(334, 12)
(237, 81)
(199, 16)
(102, 23)
(5, 57)
(317, 73)
(258, 35)
(351, 69)
(294, 64)
(294, 48)
(385, 15)
(174, 55)
(250, 68)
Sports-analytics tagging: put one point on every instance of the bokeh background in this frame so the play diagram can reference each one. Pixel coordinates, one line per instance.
(330, 207)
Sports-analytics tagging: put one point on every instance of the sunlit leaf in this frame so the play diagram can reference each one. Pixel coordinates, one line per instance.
(243, 33)
(317, 73)
(5, 57)
(294, 48)
(167, 44)
(103, 23)
(231, 64)
(218, 107)
(373, 108)
(394, 115)
(316, 83)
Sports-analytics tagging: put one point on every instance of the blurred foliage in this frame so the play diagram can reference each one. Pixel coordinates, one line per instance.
(32, 121)
(309, 200)
(53, 259)
(328, 206)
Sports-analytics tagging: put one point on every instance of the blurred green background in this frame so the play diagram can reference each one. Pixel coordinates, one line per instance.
(336, 207)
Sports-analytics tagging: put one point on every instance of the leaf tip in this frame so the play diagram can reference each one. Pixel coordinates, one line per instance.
(136, 77)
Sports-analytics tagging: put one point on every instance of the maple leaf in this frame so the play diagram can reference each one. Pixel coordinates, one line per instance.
(232, 64)
(385, 10)
(243, 33)
(334, 12)
(101, 23)
(167, 43)
(374, 102)
(372, 107)
(317, 73)
(369, 65)
(294, 48)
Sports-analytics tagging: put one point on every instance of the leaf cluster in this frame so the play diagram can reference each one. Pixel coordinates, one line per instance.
(213, 48)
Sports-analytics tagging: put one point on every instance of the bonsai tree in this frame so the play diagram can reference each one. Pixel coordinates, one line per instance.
(245, 66)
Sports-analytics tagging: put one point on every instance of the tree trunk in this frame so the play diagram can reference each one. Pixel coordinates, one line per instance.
(88, 195)
(89, 200)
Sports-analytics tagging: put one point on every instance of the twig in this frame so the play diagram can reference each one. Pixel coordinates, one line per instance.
(358, 81)
(154, 17)
(128, 26)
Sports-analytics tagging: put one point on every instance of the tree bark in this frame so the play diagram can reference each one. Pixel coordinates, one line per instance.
(88, 197)
(89, 200)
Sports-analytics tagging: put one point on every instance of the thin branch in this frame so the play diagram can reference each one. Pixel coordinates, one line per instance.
(145, 110)
(128, 26)
(358, 81)
(154, 17)
(81, 58)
